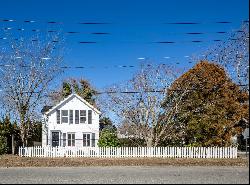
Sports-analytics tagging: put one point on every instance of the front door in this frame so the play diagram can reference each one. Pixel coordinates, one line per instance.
(55, 139)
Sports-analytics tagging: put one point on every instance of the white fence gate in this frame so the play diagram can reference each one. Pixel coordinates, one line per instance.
(121, 152)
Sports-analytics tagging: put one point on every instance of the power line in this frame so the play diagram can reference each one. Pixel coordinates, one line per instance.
(107, 33)
(107, 23)
(137, 92)
(156, 42)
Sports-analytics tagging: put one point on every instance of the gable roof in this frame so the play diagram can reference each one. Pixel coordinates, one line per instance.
(68, 98)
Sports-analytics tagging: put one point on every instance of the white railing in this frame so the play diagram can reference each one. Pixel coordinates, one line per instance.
(121, 152)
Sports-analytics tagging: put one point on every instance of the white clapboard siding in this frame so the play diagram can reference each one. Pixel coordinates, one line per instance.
(128, 152)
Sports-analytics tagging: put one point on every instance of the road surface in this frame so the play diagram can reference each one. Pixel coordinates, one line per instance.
(128, 174)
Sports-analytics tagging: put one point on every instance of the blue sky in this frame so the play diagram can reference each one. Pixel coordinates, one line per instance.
(134, 26)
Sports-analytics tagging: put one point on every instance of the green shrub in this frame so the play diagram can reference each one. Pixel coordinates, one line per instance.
(3, 145)
(108, 138)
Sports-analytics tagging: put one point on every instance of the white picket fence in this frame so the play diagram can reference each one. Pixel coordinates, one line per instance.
(122, 152)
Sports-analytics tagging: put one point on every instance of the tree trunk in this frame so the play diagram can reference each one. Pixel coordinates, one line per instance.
(23, 131)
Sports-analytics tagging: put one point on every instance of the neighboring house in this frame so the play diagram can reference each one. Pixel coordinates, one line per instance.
(72, 122)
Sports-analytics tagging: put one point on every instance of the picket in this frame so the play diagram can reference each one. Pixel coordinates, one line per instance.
(121, 152)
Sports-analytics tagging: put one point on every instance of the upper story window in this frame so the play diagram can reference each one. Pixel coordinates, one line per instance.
(65, 116)
(74, 116)
(83, 116)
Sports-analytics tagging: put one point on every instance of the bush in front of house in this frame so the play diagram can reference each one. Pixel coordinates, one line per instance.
(108, 138)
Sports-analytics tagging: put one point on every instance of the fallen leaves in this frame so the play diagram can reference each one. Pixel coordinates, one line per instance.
(16, 161)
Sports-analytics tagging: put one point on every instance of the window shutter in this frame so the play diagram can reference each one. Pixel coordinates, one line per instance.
(84, 140)
(58, 116)
(64, 139)
(71, 117)
(69, 139)
(89, 116)
(76, 116)
(93, 139)
(73, 139)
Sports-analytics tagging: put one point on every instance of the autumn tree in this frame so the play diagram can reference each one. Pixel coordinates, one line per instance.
(211, 108)
(28, 66)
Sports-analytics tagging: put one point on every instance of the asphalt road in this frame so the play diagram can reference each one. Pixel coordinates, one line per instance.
(132, 174)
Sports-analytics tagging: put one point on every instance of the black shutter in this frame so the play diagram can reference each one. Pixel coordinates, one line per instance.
(71, 117)
(76, 116)
(89, 116)
(64, 139)
(93, 139)
(58, 116)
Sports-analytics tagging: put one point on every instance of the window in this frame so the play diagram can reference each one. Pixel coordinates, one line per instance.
(71, 117)
(76, 116)
(89, 116)
(65, 116)
(86, 139)
(82, 116)
(58, 116)
(64, 139)
(71, 139)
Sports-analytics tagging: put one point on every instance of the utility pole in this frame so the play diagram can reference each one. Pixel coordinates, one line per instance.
(246, 146)
(13, 144)
(247, 137)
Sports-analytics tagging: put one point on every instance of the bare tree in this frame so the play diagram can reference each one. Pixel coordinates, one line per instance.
(233, 55)
(139, 110)
(28, 66)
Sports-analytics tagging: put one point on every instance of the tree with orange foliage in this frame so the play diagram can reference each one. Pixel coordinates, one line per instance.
(211, 107)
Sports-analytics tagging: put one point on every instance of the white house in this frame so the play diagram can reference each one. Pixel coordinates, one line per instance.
(72, 122)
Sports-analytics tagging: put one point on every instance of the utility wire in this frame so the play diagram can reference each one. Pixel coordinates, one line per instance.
(107, 23)
(136, 92)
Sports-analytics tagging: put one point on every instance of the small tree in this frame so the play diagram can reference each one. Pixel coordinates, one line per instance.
(108, 138)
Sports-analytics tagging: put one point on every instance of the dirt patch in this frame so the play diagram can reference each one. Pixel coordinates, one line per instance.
(16, 161)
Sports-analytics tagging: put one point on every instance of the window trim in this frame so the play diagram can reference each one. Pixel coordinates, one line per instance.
(85, 116)
(70, 140)
(64, 116)
(90, 139)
